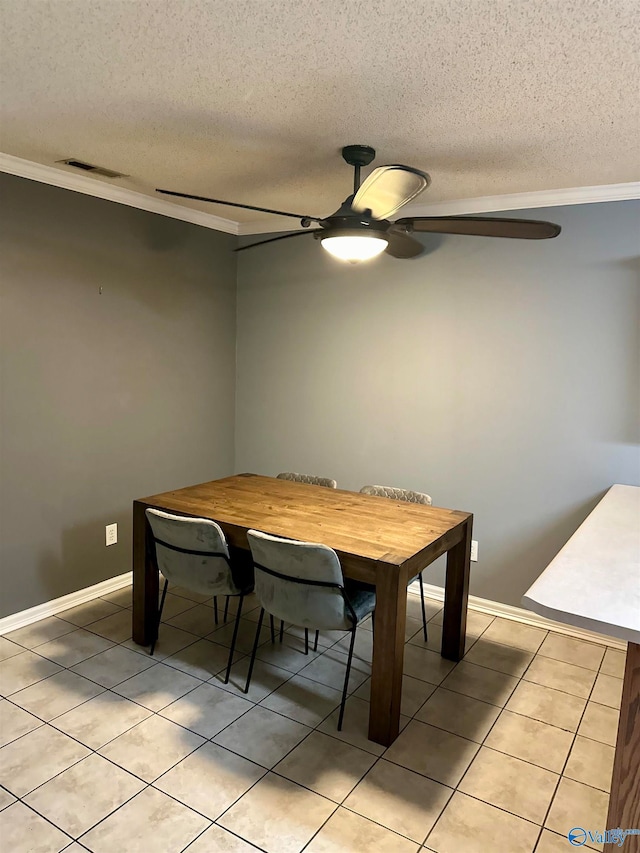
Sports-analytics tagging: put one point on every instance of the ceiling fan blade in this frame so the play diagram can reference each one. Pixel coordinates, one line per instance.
(401, 245)
(388, 188)
(275, 239)
(482, 226)
(243, 206)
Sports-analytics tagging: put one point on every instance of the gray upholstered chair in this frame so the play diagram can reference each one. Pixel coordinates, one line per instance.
(193, 553)
(302, 583)
(308, 479)
(410, 497)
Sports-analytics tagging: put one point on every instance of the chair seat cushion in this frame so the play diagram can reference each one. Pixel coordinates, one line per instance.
(362, 598)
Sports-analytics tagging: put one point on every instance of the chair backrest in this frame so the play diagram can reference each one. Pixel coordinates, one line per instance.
(397, 494)
(308, 479)
(192, 552)
(300, 582)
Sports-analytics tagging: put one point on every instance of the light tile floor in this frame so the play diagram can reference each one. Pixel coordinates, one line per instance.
(106, 749)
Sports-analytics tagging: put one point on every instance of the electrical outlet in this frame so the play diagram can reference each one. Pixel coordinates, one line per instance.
(111, 531)
(474, 550)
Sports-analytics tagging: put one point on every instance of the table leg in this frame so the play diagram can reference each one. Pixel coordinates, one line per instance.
(388, 653)
(624, 803)
(456, 595)
(145, 581)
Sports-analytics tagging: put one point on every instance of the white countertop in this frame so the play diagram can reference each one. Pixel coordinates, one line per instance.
(594, 581)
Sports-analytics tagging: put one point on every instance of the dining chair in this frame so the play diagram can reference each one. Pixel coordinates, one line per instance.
(302, 583)
(193, 553)
(410, 497)
(308, 479)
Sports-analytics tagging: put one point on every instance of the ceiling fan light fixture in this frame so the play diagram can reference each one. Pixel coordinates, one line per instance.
(354, 248)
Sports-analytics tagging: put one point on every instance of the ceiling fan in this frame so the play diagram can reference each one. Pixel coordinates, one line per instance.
(360, 229)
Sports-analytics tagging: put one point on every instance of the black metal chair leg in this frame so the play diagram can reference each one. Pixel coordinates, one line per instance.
(254, 650)
(424, 611)
(306, 641)
(215, 609)
(233, 639)
(273, 628)
(315, 645)
(281, 629)
(346, 677)
(164, 594)
(226, 610)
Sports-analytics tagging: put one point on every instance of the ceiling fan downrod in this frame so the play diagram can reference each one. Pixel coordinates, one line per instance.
(358, 156)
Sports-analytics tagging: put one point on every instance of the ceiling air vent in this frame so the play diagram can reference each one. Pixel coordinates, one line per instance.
(89, 167)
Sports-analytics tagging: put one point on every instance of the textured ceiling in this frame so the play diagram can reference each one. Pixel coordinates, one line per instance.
(251, 101)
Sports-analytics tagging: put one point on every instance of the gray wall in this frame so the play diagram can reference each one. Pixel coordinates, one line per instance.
(105, 397)
(501, 377)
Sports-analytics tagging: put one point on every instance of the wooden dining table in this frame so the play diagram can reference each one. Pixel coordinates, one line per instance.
(378, 541)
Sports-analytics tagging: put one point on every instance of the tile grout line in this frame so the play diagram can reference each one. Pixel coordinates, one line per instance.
(493, 749)
(483, 745)
(382, 757)
(412, 717)
(257, 704)
(224, 829)
(96, 752)
(340, 804)
(320, 828)
(267, 769)
(564, 766)
(273, 770)
(44, 817)
(383, 754)
(104, 817)
(211, 678)
(146, 784)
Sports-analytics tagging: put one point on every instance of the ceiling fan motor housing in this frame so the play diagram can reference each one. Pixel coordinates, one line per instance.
(346, 217)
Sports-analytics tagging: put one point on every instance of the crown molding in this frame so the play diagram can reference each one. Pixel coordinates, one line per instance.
(524, 201)
(79, 183)
(60, 177)
(486, 204)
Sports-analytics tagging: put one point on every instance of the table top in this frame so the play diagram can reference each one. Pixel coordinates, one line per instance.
(364, 526)
(594, 581)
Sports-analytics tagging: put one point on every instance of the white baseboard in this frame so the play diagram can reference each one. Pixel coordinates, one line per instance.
(435, 593)
(66, 602)
(519, 614)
